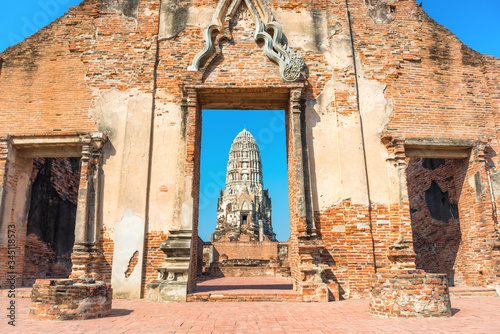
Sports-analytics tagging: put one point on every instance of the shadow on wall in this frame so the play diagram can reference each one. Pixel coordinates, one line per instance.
(434, 190)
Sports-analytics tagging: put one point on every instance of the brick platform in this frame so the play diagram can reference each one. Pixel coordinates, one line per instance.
(406, 293)
(70, 299)
(461, 292)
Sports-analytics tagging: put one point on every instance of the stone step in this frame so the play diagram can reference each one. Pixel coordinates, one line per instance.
(244, 297)
(469, 291)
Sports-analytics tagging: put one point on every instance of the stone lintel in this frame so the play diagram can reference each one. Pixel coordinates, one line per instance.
(48, 146)
(438, 148)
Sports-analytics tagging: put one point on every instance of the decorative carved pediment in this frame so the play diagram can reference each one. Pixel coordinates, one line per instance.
(266, 29)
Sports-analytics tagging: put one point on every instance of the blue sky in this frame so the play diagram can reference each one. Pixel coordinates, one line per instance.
(474, 22)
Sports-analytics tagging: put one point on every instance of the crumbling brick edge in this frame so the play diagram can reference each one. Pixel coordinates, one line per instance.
(409, 293)
(70, 299)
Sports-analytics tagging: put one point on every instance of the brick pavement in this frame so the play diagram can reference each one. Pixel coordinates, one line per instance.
(471, 315)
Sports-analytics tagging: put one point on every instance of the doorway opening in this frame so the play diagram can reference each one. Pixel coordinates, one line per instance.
(244, 216)
(50, 231)
(436, 197)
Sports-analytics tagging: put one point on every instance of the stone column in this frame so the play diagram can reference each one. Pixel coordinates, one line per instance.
(400, 222)
(261, 230)
(85, 254)
(15, 198)
(303, 196)
(6, 199)
(4, 150)
(483, 234)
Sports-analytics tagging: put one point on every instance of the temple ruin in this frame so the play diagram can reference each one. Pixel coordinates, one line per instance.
(392, 144)
(244, 243)
(244, 207)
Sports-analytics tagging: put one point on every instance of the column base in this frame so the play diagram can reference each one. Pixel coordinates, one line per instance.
(167, 291)
(86, 259)
(70, 299)
(407, 293)
(172, 282)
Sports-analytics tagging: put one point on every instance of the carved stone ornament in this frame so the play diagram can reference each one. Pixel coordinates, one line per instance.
(313, 274)
(401, 254)
(173, 273)
(290, 63)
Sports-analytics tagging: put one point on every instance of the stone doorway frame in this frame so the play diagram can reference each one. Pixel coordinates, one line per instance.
(449, 148)
(180, 270)
(17, 153)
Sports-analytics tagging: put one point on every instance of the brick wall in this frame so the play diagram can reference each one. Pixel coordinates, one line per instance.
(153, 257)
(246, 250)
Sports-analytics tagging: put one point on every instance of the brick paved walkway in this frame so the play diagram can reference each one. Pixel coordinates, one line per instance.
(471, 315)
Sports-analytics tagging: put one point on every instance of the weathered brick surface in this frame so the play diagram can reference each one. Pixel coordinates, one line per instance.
(264, 250)
(64, 178)
(437, 241)
(409, 294)
(70, 299)
(153, 257)
(248, 271)
(40, 261)
(455, 242)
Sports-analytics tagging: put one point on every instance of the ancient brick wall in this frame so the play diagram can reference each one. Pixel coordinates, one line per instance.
(264, 250)
(449, 228)
(40, 261)
(52, 79)
(40, 95)
(250, 271)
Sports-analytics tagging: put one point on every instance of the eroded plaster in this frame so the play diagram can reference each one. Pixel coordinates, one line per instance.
(307, 30)
(375, 111)
(164, 170)
(326, 185)
(126, 118)
(129, 241)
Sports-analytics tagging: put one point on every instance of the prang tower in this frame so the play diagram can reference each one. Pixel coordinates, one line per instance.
(244, 207)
